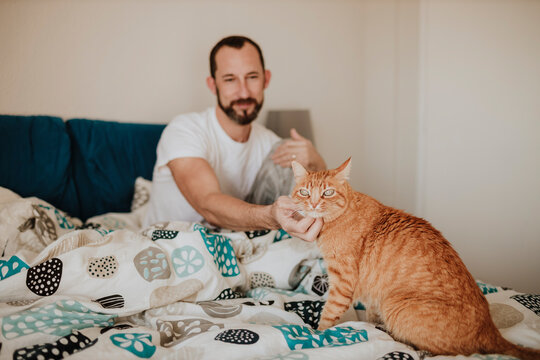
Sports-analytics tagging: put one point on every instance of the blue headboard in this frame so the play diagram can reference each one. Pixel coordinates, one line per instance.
(81, 166)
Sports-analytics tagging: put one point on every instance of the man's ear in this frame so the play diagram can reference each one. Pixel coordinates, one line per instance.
(211, 83)
(267, 76)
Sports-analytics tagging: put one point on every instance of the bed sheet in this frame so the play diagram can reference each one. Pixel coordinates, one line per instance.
(108, 289)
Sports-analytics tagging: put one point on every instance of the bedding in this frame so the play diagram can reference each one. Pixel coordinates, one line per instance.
(108, 289)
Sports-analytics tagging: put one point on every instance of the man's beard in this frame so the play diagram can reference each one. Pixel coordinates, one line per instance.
(245, 118)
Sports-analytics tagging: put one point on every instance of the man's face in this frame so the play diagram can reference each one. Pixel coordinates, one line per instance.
(240, 82)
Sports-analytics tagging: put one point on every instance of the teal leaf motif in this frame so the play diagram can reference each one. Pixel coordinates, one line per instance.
(221, 250)
(302, 337)
(63, 222)
(284, 292)
(359, 306)
(187, 261)
(139, 345)
(281, 235)
(113, 223)
(486, 288)
(104, 232)
(11, 267)
(258, 293)
(58, 319)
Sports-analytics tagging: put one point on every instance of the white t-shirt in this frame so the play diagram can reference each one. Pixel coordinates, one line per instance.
(200, 135)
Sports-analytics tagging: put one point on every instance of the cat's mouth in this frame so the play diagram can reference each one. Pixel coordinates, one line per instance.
(315, 214)
(297, 215)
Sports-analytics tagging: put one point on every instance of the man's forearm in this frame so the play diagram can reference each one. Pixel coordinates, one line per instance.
(234, 214)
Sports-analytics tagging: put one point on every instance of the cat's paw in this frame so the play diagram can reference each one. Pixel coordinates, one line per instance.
(324, 324)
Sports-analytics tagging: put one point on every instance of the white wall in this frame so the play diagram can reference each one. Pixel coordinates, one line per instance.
(480, 134)
(420, 93)
(147, 61)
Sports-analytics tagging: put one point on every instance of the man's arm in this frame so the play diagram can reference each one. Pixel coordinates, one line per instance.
(198, 183)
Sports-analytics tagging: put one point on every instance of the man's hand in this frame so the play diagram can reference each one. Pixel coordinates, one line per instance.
(284, 210)
(300, 149)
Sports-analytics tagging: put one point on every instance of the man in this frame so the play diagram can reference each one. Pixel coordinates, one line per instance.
(207, 162)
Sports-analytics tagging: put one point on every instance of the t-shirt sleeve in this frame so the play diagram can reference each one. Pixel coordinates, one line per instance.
(183, 137)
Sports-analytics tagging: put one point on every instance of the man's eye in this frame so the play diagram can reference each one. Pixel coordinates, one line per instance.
(303, 192)
(329, 192)
(228, 80)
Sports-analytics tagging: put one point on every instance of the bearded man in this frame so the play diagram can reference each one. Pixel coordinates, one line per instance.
(207, 162)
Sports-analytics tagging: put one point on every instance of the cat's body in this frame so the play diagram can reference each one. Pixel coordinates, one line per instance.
(401, 268)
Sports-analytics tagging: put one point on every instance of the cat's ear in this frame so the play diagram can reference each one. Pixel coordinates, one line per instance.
(343, 171)
(298, 171)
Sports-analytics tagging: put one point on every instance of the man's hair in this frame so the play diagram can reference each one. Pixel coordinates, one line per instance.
(236, 42)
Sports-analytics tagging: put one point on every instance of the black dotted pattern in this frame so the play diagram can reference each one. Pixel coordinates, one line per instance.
(256, 233)
(531, 302)
(111, 302)
(44, 279)
(396, 355)
(320, 284)
(164, 234)
(261, 279)
(60, 349)
(104, 267)
(238, 336)
(228, 294)
(309, 311)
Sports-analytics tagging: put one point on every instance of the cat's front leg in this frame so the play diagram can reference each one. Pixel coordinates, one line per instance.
(340, 298)
(372, 314)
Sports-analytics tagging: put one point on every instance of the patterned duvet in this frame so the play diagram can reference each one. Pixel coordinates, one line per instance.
(107, 289)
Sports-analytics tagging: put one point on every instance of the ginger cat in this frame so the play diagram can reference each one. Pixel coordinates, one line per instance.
(400, 267)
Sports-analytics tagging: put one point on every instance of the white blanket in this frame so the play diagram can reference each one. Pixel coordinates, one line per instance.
(108, 290)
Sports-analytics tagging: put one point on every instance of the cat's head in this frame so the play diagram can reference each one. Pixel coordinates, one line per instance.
(323, 193)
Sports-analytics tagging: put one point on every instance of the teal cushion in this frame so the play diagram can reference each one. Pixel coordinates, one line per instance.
(35, 159)
(107, 157)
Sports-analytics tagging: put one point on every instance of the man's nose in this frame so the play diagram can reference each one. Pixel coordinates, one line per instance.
(244, 90)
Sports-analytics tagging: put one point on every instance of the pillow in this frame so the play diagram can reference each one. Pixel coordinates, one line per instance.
(132, 220)
(107, 158)
(35, 160)
(141, 194)
(271, 182)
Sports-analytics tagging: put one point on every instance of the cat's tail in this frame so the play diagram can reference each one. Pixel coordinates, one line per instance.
(520, 352)
(523, 353)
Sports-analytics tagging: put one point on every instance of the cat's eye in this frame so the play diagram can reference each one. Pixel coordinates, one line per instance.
(329, 192)
(303, 192)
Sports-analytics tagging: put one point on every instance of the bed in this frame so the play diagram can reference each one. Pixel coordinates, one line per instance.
(90, 282)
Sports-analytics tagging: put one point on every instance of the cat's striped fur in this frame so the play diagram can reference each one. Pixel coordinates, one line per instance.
(401, 268)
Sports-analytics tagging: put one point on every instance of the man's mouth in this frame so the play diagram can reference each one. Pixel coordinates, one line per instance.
(244, 103)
